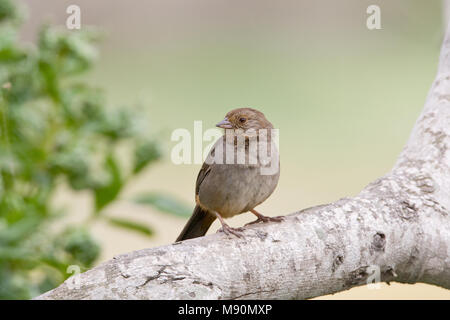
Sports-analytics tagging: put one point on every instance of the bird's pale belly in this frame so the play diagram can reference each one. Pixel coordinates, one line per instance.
(230, 192)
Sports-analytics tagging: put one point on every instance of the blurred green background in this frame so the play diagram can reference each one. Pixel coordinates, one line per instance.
(345, 99)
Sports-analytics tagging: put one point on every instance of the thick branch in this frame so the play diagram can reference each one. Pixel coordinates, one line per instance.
(399, 225)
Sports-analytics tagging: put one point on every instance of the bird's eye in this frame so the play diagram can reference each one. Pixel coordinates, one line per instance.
(242, 120)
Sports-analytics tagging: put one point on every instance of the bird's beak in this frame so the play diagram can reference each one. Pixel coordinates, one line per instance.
(224, 124)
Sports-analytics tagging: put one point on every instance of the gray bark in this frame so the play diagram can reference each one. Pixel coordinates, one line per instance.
(398, 225)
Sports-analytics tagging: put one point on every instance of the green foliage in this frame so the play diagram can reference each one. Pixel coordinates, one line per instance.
(77, 243)
(131, 225)
(56, 129)
(164, 203)
(146, 152)
(110, 188)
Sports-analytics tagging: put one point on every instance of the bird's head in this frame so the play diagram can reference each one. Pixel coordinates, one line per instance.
(245, 118)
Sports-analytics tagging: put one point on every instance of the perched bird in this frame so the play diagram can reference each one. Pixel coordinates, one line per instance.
(226, 186)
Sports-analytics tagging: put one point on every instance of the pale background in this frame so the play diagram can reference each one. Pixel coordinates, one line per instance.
(345, 98)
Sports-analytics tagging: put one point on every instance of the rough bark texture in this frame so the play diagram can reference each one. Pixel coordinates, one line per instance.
(399, 225)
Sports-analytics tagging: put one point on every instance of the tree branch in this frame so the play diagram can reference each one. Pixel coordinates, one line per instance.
(398, 225)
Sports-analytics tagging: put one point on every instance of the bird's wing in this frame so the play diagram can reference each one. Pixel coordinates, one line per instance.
(206, 168)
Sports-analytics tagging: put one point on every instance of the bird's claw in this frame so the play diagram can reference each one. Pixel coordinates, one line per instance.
(231, 231)
(266, 219)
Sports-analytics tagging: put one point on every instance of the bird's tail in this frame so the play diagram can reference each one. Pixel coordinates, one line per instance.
(197, 225)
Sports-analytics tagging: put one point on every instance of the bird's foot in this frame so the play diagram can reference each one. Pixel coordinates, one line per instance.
(266, 219)
(231, 231)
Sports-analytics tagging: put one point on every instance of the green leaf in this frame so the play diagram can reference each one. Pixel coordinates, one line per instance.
(55, 263)
(108, 191)
(145, 153)
(131, 225)
(8, 10)
(80, 245)
(165, 203)
(19, 230)
(50, 79)
(15, 254)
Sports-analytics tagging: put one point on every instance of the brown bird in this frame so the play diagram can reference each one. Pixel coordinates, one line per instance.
(227, 186)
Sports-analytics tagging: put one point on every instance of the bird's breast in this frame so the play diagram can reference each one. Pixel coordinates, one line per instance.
(230, 189)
